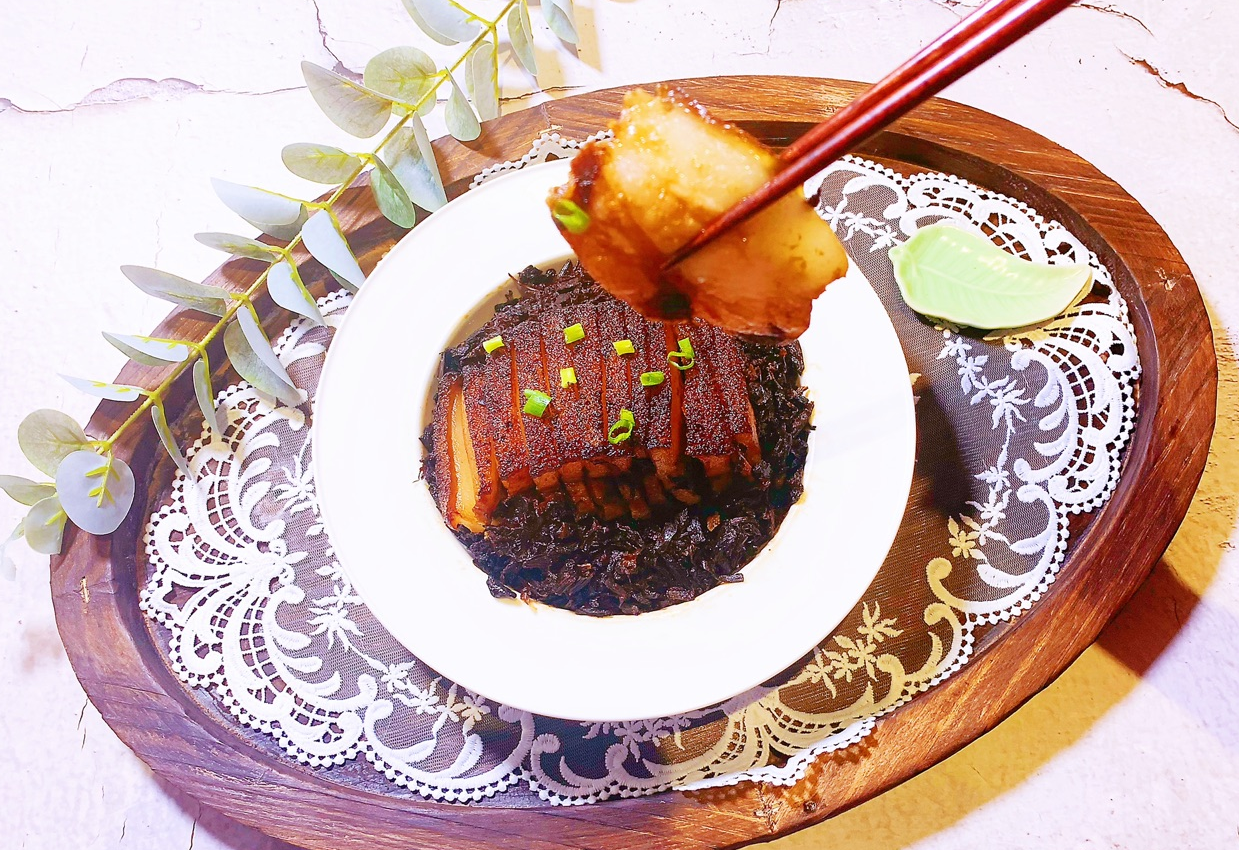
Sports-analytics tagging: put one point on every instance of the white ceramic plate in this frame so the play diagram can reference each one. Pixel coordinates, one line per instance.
(419, 581)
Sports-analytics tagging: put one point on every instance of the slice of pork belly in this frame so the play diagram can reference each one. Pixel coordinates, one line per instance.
(479, 416)
(456, 475)
(729, 371)
(619, 377)
(706, 436)
(545, 459)
(502, 396)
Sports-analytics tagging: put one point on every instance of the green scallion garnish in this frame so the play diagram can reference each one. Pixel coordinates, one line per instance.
(567, 377)
(493, 344)
(622, 429)
(652, 379)
(573, 333)
(570, 216)
(536, 402)
(684, 358)
(624, 346)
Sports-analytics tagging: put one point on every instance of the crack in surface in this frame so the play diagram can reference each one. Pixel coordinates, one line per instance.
(526, 95)
(340, 67)
(131, 89)
(1160, 75)
(778, 7)
(1110, 9)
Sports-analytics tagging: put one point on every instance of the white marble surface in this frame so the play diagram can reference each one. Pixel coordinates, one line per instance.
(114, 115)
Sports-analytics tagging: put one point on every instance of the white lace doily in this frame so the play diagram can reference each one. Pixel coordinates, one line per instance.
(1016, 434)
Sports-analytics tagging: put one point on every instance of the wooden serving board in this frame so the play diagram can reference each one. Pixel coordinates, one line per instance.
(205, 753)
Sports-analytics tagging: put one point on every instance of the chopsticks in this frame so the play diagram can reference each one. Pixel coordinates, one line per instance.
(983, 34)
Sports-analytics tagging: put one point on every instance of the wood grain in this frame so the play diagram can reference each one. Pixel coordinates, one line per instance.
(201, 751)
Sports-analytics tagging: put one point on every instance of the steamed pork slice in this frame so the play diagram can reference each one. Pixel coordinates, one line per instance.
(538, 433)
(456, 467)
(504, 398)
(706, 435)
(621, 380)
(587, 360)
(723, 361)
(478, 415)
(664, 436)
(618, 378)
(570, 420)
(669, 170)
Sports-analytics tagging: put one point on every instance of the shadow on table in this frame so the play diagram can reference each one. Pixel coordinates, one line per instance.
(228, 833)
(1166, 609)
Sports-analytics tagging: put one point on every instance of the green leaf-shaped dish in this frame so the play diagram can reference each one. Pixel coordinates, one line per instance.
(953, 274)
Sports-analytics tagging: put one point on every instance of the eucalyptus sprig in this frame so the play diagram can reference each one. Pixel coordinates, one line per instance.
(94, 488)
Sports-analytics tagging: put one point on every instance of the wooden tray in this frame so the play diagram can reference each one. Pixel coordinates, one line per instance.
(204, 752)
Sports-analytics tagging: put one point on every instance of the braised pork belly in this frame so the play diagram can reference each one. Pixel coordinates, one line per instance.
(595, 460)
(670, 169)
(693, 426)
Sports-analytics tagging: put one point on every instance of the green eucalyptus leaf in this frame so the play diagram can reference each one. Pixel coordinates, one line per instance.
(458, 114)
(560, 18)
(323, 239)
(95, 491)
(196, 296)
(272, 213)
(442, 20)
(169, 442)
(46, 437)
(24, 490)
(287, 289)
(351, 106)
(520, 34)
(482, 79)
(8, 570)
(393, 201)
(406, 75)
(238, 246)
(149, 351)
(964, 278)
(411, 158)
(252, 366)
(206, 396)
(44, 526)
(320, 163)
(104, 390)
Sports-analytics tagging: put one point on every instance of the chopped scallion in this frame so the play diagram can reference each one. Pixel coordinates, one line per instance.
(652, 379)
(536, 402)
(570, 216)
(567, 377)
(684, 358)
(623, 427)
(624, 346)
(493, 344)
(574, 333)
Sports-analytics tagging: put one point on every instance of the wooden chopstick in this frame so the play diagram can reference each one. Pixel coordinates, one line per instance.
(983, 34)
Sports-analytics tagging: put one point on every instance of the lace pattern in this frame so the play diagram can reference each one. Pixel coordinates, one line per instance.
(258, 614)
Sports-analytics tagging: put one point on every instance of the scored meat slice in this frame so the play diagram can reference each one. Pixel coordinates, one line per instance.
(502, 396)
(545, 458)
(726, 365)
(706, 435)
(618, 378)
(478, 414)
(569, 419)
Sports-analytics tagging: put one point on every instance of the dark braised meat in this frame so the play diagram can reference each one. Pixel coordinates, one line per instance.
(696, 422)
(553, 511)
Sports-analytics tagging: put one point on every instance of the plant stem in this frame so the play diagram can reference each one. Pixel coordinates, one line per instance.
(198, 349)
